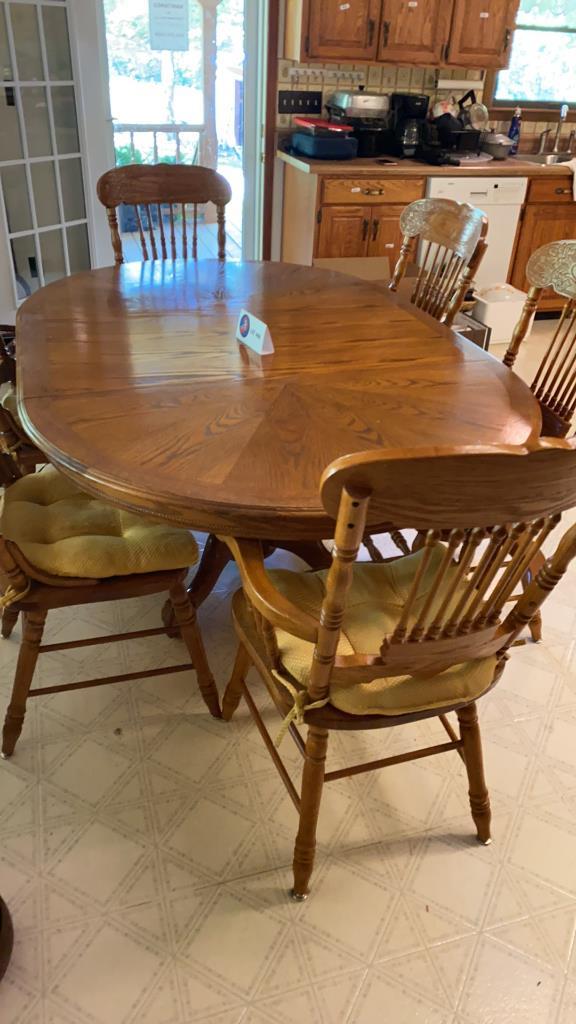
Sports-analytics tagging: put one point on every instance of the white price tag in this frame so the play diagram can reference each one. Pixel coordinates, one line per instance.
(484, 14)
(253, 333)
(344, 7)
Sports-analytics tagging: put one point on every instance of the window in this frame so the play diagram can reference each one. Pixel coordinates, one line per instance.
(542, 67)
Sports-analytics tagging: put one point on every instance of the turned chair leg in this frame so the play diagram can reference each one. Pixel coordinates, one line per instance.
(185, 615)
(311, 796)
(477, 790)
(9, 620)
(27, 658)
(233, 692)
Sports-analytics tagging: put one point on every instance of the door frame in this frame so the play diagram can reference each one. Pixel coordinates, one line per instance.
(88, 43)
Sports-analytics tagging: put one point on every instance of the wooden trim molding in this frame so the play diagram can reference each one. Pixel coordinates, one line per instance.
(270, 125)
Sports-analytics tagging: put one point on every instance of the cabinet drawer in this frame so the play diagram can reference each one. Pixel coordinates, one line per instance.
(372, 190)
(550, 190)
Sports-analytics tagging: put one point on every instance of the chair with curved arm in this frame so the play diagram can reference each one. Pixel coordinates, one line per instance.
(372, 646)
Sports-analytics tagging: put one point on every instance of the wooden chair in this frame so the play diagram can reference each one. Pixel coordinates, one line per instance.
(452, 240)
(366, 646)
(60, 548)
(14, 440)
(149, 189)
(554, 384)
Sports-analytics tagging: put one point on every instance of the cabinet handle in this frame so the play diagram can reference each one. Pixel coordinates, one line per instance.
(372, 191)
(385, 33)
(365, 226)
(562, 191)
(507, 38)
(375, 226)
(371, 27)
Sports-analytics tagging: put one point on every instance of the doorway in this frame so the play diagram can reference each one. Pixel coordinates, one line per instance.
(176, 84)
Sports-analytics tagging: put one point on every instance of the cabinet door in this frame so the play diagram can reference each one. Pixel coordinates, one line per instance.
(481, 33)
(384, 236)
(414, 31)
(542, 223)
(343, 30)
(343, 231)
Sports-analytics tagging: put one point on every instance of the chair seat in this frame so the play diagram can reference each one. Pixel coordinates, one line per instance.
(62, 531)
(373, 607)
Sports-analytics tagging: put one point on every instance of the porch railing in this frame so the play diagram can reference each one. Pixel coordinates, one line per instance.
(184, 139)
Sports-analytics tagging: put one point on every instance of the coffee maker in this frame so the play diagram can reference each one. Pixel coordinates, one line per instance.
(407, 116)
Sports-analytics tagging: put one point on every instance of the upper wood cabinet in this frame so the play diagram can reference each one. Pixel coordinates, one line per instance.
(469, 33)
(345, 29)
(481, 33)
(413, 31)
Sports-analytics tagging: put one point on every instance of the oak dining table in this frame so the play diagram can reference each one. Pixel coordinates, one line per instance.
(131, 380)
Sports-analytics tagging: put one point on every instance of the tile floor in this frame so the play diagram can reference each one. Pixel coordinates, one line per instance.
(145, 852)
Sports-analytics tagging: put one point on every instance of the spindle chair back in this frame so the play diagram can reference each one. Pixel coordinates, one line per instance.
(554, 385)
(153, 190)
(451, 238)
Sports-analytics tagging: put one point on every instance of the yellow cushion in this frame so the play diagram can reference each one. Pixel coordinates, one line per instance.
(374, 604)
(65, 532)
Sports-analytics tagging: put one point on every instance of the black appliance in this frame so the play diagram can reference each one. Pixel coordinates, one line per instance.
(367, 114)
(407, 119)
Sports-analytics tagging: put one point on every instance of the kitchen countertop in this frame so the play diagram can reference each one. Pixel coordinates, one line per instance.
(512, 167)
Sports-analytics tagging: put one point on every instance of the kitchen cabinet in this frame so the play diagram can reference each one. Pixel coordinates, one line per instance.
(542, 222)
(343, 232)
(332, 216)
(481, 33)
(345, 29)
(469, 33)
(349, 232)
(384, 235)
(413, 31)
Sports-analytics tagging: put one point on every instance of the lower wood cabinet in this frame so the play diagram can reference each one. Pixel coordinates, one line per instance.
(351, 231)
(542, 223)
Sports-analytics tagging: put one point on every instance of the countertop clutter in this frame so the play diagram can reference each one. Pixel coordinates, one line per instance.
(511, 167)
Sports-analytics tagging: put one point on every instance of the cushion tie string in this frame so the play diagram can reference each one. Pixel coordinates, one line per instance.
(298, 709)
(11, 595)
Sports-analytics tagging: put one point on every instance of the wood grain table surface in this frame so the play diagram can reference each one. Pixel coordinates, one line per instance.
(131, 381)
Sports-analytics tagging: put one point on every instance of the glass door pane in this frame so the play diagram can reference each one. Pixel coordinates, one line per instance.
(41, 181)
(182, 104)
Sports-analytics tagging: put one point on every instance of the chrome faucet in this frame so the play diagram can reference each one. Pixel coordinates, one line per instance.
(561, 120)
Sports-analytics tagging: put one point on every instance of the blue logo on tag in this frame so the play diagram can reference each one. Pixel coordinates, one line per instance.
(244, 326)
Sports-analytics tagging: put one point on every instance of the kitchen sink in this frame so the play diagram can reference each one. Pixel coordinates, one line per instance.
(546, 158)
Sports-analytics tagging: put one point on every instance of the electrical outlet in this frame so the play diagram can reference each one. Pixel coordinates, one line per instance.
(298, 101)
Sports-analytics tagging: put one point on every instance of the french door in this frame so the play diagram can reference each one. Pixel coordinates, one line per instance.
(43, 218)
(57, 137)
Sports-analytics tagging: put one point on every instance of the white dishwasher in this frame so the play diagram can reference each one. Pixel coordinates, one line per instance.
(501, 199)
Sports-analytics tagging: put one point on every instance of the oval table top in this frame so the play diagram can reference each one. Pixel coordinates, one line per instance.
(132, 382)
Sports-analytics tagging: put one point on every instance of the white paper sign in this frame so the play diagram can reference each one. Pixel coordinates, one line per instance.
(253, 333)
(169, 26)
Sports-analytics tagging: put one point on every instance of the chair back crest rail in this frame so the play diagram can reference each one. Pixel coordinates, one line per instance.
(155, 189)
(453, 241)
(552, 266)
